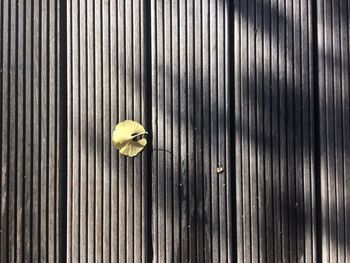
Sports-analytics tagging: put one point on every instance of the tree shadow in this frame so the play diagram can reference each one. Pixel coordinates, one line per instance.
(275, 91)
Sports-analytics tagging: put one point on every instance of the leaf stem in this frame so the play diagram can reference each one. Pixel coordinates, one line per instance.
(139, 134)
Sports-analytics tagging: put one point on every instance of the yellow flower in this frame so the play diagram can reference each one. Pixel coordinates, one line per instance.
(126, 138)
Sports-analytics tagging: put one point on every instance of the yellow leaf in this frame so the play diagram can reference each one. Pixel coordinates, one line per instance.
(125, 138)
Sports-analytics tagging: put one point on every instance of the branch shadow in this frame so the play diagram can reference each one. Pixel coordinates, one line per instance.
(282, 211)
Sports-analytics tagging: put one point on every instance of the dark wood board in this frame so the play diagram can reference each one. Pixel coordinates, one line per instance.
(106, 205)
(274, 146)
(334, 115)
(248, 113)
(30, 165)
(191, 132)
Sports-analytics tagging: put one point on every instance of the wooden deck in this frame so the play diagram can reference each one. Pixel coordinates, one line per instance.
(247, 105)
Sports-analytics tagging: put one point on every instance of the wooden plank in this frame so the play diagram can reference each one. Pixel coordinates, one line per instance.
(238, 131)
(106, 207)
(183, 111)
(199, 118)
(168, 207)
(106, 131)
(28, 176)
(4, 131)
(113, 119)
(28, 161)
(146, 118)
(282, 157)
(229, 130)
(275, 138)
(154, 179)
(61, 133)
(223, 145)
(1, 125)
(213, 128)
(83, 130)
(12, 132)
(206, 136)
(251, 136)
(52, 100)
(308, 105)
(190, 110)
(262, 54)
(322, 147)
(345, 80)
(333, 100)
(298, 126)
(160, 118)
(98, 122)
(122, 116)
(175, 80)
(129, 114)
(90, 86)
(36, 133)
(137, 102)
(20, 133)
(274, 127)
(267, 75)
(246, 218)
(75, 152)
(191, 178)
(291, 131)
(43, 115)
(69, 131)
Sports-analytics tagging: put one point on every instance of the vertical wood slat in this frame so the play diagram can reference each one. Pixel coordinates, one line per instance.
(106, 191)
(30, 169)
(334, 93)
(82, 128)
(191, 132)
(274, 131)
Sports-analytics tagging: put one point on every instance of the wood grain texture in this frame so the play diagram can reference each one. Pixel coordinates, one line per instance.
(30, 121)
(106, 85)
(334, 96)
(191, 132)
(274, 131)
(248, 107)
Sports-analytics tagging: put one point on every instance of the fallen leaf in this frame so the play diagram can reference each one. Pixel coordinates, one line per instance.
(126, 137)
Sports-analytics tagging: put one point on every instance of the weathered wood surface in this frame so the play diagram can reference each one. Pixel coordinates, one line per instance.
(30, 131)
(274, 131)
(191, 104)
(106, 84)
(334, 113)
(258, 89)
